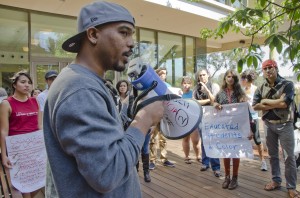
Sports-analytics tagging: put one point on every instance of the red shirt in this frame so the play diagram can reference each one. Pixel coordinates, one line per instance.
(24, 116)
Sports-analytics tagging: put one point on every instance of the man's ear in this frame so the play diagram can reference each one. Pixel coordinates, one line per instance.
(92, 35)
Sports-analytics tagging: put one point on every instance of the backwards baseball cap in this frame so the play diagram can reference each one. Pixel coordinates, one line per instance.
(51, 73)
(97, 13)
(268, 63)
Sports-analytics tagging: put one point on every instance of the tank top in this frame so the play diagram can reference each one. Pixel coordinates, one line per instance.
(24, 116)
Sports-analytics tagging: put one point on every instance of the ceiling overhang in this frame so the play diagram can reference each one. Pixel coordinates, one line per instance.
(153, 14)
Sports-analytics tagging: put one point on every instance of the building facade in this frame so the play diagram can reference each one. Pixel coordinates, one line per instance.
(32, 33)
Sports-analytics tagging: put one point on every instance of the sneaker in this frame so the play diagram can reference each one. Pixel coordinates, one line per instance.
(169, 164)
(204, 168)
(263, 166)
(151, 166)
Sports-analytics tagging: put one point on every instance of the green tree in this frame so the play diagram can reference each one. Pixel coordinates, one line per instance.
(264, 20)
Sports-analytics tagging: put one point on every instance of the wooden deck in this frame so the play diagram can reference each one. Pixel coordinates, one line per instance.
(186, 180)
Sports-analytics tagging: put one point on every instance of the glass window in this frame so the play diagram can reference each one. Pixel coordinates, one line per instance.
(170, 55)
(48, 33)
(190, 57)
(147, 47)
(13, 44)
(200, 54)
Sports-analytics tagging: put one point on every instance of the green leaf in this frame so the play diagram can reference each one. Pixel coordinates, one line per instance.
(279, 47)
(255, 62)
(296, 67)
(259, 13)
(269, 39)
(276, 41)
(249, 61)
(298, 77)
(293, 53)
(240, 65)
(271, 46)
(263, 3)
(283, 39)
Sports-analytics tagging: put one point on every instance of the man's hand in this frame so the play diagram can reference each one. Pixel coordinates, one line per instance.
(204, 88)
(148, 116)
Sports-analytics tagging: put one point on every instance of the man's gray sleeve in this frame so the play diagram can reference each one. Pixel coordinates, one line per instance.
(89, 130)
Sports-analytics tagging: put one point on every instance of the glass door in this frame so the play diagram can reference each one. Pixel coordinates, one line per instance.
(39, 69)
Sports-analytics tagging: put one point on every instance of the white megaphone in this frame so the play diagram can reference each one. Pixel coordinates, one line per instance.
(181, 116)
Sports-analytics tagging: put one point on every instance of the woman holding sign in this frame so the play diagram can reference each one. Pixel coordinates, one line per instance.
(19, 114)
(231, 92)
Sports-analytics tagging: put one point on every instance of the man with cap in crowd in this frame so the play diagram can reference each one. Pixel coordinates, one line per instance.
(275, 97)
(89, 152)
(49, 78)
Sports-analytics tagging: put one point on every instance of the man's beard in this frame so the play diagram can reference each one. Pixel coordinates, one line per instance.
(119, 68)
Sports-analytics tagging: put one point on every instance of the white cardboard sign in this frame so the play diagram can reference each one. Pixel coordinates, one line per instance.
(27, 154)
(225, 132)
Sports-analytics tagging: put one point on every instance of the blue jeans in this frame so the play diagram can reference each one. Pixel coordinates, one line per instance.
(285, 134)
(145, 148)
(215, 162)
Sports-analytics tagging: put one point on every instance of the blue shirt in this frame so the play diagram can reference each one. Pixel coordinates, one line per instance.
(188, 94)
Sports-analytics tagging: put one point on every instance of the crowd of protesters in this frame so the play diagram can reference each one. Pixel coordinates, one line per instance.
(99, 146)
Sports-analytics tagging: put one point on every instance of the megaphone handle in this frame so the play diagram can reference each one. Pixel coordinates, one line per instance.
(143, 94)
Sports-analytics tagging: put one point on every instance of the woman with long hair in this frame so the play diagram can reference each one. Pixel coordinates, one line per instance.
(231, 92)
(19, 115)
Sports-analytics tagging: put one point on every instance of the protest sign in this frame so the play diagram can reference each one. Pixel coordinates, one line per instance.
(27, 154)
(225, 132)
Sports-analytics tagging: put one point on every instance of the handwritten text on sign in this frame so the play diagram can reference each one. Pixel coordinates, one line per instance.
(181, 117)
(225, 133)
(27, 154)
